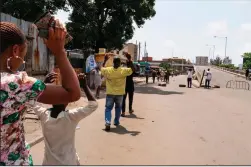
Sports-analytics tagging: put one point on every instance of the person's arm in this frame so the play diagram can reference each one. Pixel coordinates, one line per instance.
(105, 60)
(82, 112)
(70, 89)
(39, 111)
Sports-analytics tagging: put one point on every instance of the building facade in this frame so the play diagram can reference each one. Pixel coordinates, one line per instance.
(130, 48)
(202, 60)
(175, 60)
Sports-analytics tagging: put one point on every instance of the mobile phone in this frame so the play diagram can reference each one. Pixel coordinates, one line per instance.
(43, 23)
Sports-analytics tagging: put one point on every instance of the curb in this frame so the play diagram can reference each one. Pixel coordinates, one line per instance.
(36, 141)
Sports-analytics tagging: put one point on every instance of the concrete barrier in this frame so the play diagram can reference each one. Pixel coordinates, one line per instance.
(199, 74)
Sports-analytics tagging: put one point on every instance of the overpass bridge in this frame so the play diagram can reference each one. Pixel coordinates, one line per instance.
(157, 63)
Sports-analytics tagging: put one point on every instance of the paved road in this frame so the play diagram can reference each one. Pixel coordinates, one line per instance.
(220, 77)
(171, 126)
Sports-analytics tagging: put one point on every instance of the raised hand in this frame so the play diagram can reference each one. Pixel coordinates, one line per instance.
(81, 76)
(56, 39)
(51, 77)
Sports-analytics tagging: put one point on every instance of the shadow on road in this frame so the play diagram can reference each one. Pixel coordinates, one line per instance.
(133, 116)
(152, 90)
(121, 130)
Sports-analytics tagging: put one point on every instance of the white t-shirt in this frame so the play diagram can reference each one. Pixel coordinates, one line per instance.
(59, 133)
(209, 75)
(190, 74)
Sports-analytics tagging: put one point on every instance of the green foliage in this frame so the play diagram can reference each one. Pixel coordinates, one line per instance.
(30, 10)
(247, 55)
(230, 66)
(166, 66)
(107, 23)
(247, 63)
(217, 61)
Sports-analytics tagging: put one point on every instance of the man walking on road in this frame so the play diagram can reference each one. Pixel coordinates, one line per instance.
(247, 74)
(147, 73)
(208, 79)
(129, 89)
(189, 78)
(167, 76)
(154, 75)
(115, 89)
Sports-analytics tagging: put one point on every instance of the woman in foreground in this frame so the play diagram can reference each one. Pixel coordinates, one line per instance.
(18, 91)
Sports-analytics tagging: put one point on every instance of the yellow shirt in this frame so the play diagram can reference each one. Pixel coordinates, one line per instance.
(115, 79)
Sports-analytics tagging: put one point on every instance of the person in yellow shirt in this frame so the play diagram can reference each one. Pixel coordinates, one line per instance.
(115, 88)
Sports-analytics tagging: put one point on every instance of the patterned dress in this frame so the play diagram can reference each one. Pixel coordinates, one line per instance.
(17, 92)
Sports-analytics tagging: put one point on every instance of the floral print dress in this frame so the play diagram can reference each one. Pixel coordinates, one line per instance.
(17, 92)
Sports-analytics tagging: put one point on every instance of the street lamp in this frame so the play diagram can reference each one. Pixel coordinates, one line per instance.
(210, 49)
(225, 44)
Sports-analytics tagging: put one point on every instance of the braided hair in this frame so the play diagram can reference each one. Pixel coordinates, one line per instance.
(10, 35)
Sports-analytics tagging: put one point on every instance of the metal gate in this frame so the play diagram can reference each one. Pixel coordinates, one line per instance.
(234, 84)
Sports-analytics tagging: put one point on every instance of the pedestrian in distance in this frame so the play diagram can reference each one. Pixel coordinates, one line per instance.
(167, 76)
(189, 78)
(97, 81)
(154, 75)
(59, 126)
(208, 79)
(147, 73)
(158, 75)
(247, 74)
(115, 88)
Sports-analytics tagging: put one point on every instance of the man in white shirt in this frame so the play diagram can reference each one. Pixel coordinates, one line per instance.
(189, 78)
(208, 79)
(58, 127)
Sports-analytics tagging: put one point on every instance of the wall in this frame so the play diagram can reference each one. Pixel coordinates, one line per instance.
(38, 59)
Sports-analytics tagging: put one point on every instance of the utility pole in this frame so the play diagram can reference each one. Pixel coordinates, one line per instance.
(146, 54)
(139, 51)
(226, 47)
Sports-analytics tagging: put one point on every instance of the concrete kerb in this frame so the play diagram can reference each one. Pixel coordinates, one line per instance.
(36, 141)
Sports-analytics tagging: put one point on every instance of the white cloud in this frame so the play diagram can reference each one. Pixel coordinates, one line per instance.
(247, 47)
(246, 27)
(169, 43)
(217, 28)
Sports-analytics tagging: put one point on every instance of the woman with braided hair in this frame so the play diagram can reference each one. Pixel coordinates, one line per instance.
(18, 91)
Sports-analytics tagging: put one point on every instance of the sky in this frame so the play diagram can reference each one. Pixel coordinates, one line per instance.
(183, 28)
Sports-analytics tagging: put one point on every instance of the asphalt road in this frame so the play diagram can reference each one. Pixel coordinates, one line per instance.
(170, 126)
(220, 77)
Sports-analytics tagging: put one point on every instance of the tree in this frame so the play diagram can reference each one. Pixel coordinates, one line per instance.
(30, 10)
(107, 23)
(217, 61)
(246, 60)
(166, 66)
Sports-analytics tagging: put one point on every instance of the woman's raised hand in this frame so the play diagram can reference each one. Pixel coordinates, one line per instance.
(56, 39)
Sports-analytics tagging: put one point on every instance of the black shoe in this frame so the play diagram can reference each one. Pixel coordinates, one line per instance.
(131, 111)
(107, 127)
(123, 114)
(116, 124)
